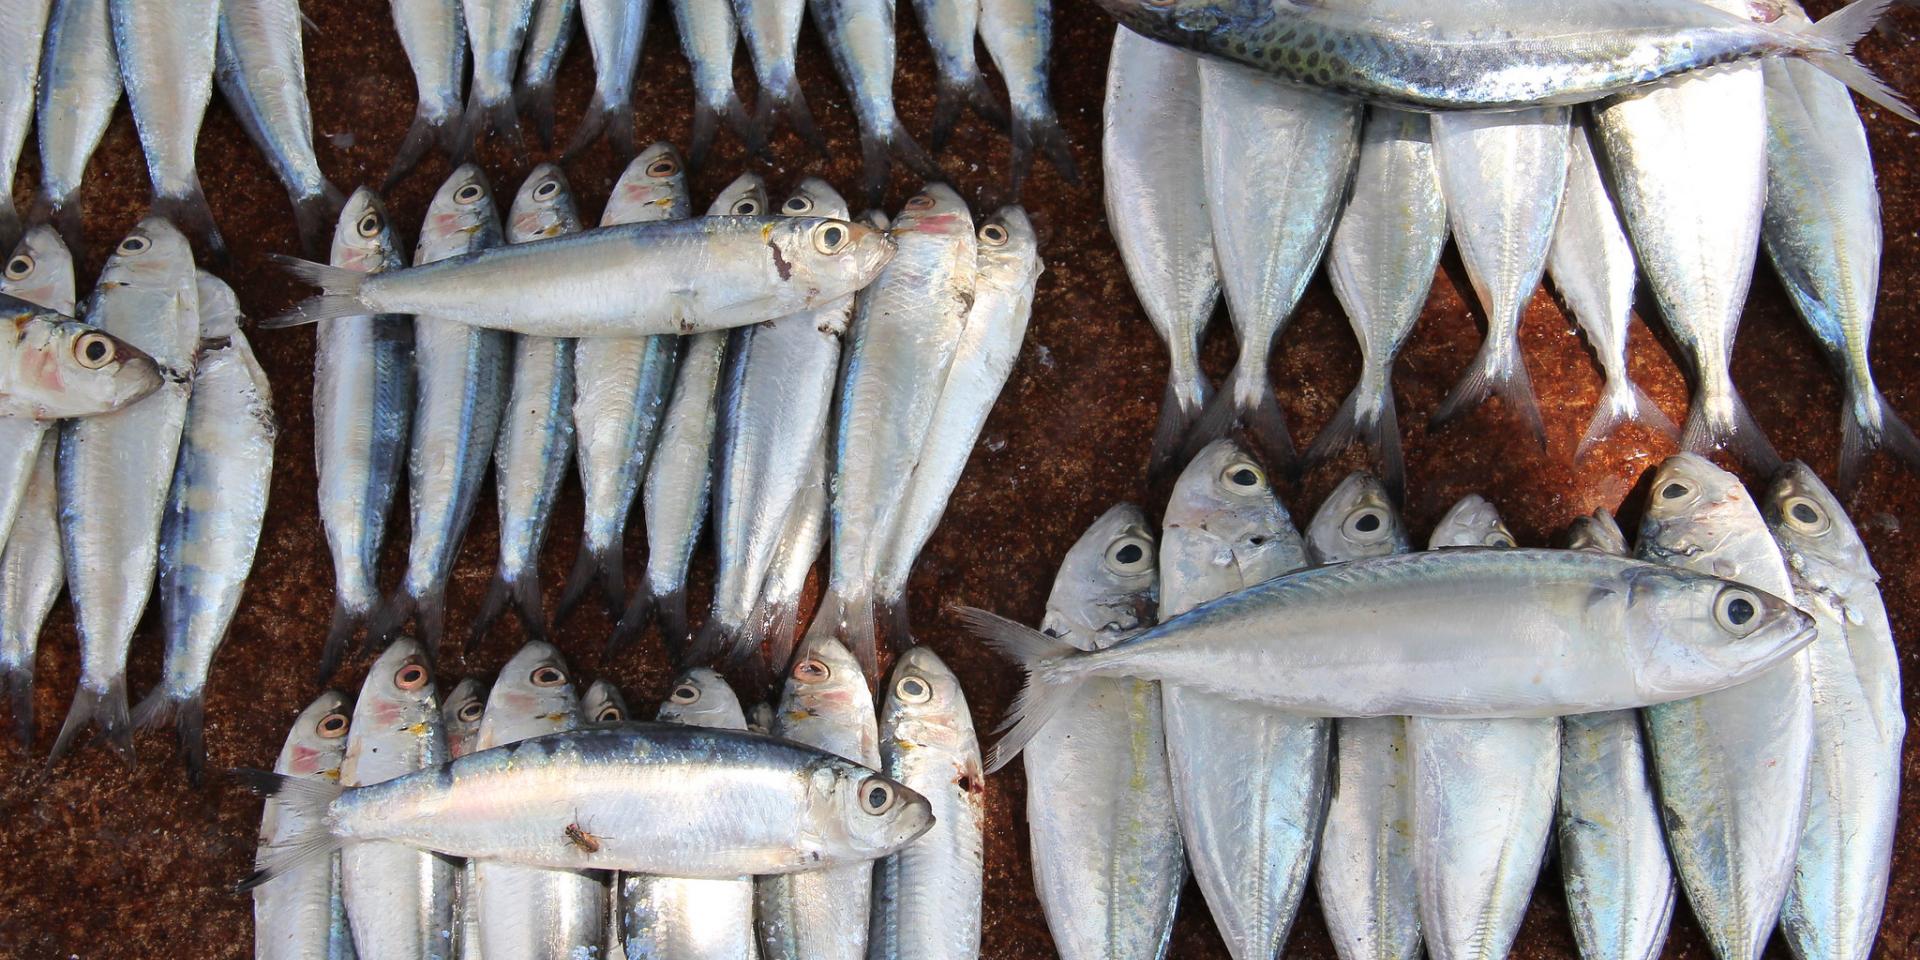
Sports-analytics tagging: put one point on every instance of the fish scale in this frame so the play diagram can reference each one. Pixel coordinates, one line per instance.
(78, 91)
(22, 27)
(167, 53)
(261, 69)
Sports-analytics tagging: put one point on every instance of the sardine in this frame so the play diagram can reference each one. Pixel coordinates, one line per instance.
(39, 272)
(465, 707)
(53, 367)
(262, 72)
(859, 35)
(166, 59)
(772, 32)
(434, 33)
(951, 27)
(602, 703)
(294, 919)
(616, 30)
(79, 89)
(23, 25)
(707, 37)
(546, 45)
(1019, 36)
(496, 29)
(777, 615)
(32, 572)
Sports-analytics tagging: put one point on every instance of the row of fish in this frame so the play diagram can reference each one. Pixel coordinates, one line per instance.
(1226, 179)
(517, 47)
(844, 834)
(1205, 741)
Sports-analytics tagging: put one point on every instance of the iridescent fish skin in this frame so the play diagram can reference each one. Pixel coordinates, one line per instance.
(39, 272)
(547, 40)
(295, 918)
(1019, 36)
(434, 33)
(707, 37)
(262, 71)
(23, 26)
(616, 30)
(167, 53)
(79, 89)
(859, 34)
(777, 615)
(772, 32)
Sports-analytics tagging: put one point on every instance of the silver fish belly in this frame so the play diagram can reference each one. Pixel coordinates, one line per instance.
(262, 71)
(79, 89)
(167, 53)
(293, 919)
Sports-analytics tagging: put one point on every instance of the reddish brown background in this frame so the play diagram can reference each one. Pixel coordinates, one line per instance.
(98, 860)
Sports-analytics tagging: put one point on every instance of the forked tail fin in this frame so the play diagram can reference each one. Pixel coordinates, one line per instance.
(1045, 691)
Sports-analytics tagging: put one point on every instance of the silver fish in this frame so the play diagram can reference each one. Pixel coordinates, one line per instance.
(616, 29)
(53, 367)
(1839, 884)
(166, 59)
(859, 35)
(362, 408)
(1483, 795)
(40, 272)
(602, 703)
(465, 707)
(1099, 798)
(399, 900)
(1503, 176)
(434, 33)
(777, 615)
(621, 388)
(772, 32)
(262, 71)
(215, 511)
(691, 919)
(1019, 36)
(927, 898)
(905, 331)
(1613, 847)
(295, 918)
(1365, 872)
(21, 40)
(1275, 156)
(79, 89)
(115, 468)
(496, 29)
(1009, 268)
(951, 27)
(707, 37)
(535, 448)
(1732, 765)
(460, 393)
(1591, 264)
(1250, 784)
(32, 572)
(1156, 202)
(546, 45)
(1381, 261)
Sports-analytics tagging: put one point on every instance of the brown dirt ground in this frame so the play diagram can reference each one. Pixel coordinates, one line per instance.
(102, 860)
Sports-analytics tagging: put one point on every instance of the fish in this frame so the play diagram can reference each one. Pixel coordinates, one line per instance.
(1250, 785)
(707, 37)
(1503, 176)
(546, 46)
(535, 447)
(1613, 847)
(525, 911)
(1821, 230)
(823, 914)
(1732, 766)
(21, 41)
(950, 27)
(261, 70)
(1380, 262)
(362, 414)
(1099, 795)
(602, 703)
(32, 573)
(1591, 264)
(691, 919)
(1156, 202)
(616, 30)
(1483, 798)
(772, 31)
(496, 29)
(465, 707)
(629, 280)
(78, 90)
(927, 897)
(1839, 886)
(115, 469)
(399, 900)
(1019, 37)
(777, 615)
(680, 473)
(621, 389)
(1009, 268)
(300, 917)
(434, 33)
(166, 55)
(1501, 54)
(859, 35)
(38, 273)
(905, 331)
(59, 368)
(1274, 156)
(461, 383)
(216, 508)
(775, 406)
(1364, 875)
(1688, 166)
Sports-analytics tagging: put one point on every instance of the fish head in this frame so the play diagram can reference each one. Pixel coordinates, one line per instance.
(746, 196)
(220, 313)
(936, 209)
(815, 197)
(1009, 251)
(41, 271)
(1224, 518)
(653, 187)
(152, 255)
(364, 238)
(925, 704)
(1701, 517)
(543, 207)
(1597, 533)
(398, 693)
(1689, 633)
(1814, 532)
(701, 698)
(1109, 583)
(602, 703)
(62, 367)
(1356, 521)
(826, 689)
(832, 258)
(534, 695)
(317, 743)
(461, 218)
(1472, 522)
(869, 814)
(465, 706)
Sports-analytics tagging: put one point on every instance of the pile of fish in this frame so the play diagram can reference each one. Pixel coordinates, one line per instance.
(691, 364)
(517, 47)
(531, 820)
(1287, 140)
(136, 444)
(1409, 729)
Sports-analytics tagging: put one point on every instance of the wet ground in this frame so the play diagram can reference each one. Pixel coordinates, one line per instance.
(101, 860)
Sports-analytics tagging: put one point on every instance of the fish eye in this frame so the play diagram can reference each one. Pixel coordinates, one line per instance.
(745, 207)
(993, 235)
(913, 690)
(1738, 610)
(134, 244)
(20, 267)
(1244, 477)
(797, 203)
(1676, 490)
(811, 670)
(1129, 555)
(412, 675)
(609, 714)
(333, 726)
(685, 693)
(830, 238)
(369, 224)
(548, 675)
(663, 167)
(546, 190)
(920, 201)
(1804, 514)
(876, 796)
(470, 711)
(1365, 525)
(1501, 540)
(468, 193)
(93, 350)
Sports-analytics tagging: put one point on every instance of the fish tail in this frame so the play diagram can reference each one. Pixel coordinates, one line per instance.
(898, 616)
(430, 125)
(19, 684)
(950, 95)
(1621, 403)
(394, 614)
(1178, 418)
(189, 212)
(481, 118)
(522, 594)
(106, 707)
(536, 101)
(613, 119)
(346, 622)
(1041, 131)
(980, 97)
(633, 622)
(1497, 370)
(1377, 427)
(189, 716)
(715, 641)
(851, 620)
(1860, 437)
(9, 222)
(340, 296)
(670, 611)
(601, 567)
(65, 215)
(1043, 694)
(1832, 51)
(313, 216)
(1711, 428)
(781, 625)
(1246, 404)
(303, 805)
(785, 101)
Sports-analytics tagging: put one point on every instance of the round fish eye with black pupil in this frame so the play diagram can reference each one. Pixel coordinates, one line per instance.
(133, 245)
(913, 690)
(993, 234)
(1675, 490)
(369, 225)
(468, 193)
(410, 676)
(546, 190)
(1500, 540)
(663, 167)
(333, 726)
(1367, 525)
(609, 714)
(830, 238)
(746, 208)
(876, 796)
(20, 267)
(1129, 555)
(1243, 476)
(1806, 515)
(1738, 610)
(685, 693)
(811, 671)
(798, 205)
(93, 350)
(920, 202)
(471, 711)
(547, 675)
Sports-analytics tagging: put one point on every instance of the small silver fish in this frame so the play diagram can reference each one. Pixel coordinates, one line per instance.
(295, 918)
(465, 707)
(772, 32)
(79, 89)
(859, 35)
(23, 26)
(53, 367)
(32, 572)
(777, 615)
(434, 33)
(951, 27)
(262, 72)
(496, 29)
(1019, 36)
(616, 30)
(546, 45)
(707, 37)
(602, 703)
(40, 273)
(166, 58)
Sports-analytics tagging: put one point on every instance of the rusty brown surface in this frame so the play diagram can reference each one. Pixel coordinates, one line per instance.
(99, 860)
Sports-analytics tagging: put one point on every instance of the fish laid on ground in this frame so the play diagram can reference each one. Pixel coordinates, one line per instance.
(1364, 876)
(166, 55)
(115, 470)
(951, 28)
(362, 408)
(1839, 884)
(465, 707)
(602, 703)
(859, 35)
(616, 30)
(1277, 163)
(215, 511)
(707, 37)
(262, 71)
(302, 917)
(57, 368)
(495, 30)
(1732, 766)
(79, 89)
(535, 449)
(1250, 784)
(1018, 34)
(546, 45)
(772, 32)
(39, 273)
(1156, 202)
(1380, 262)
(777, 615)
(460, 393)
(32, 572)
(434, 33)
(23, 25)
